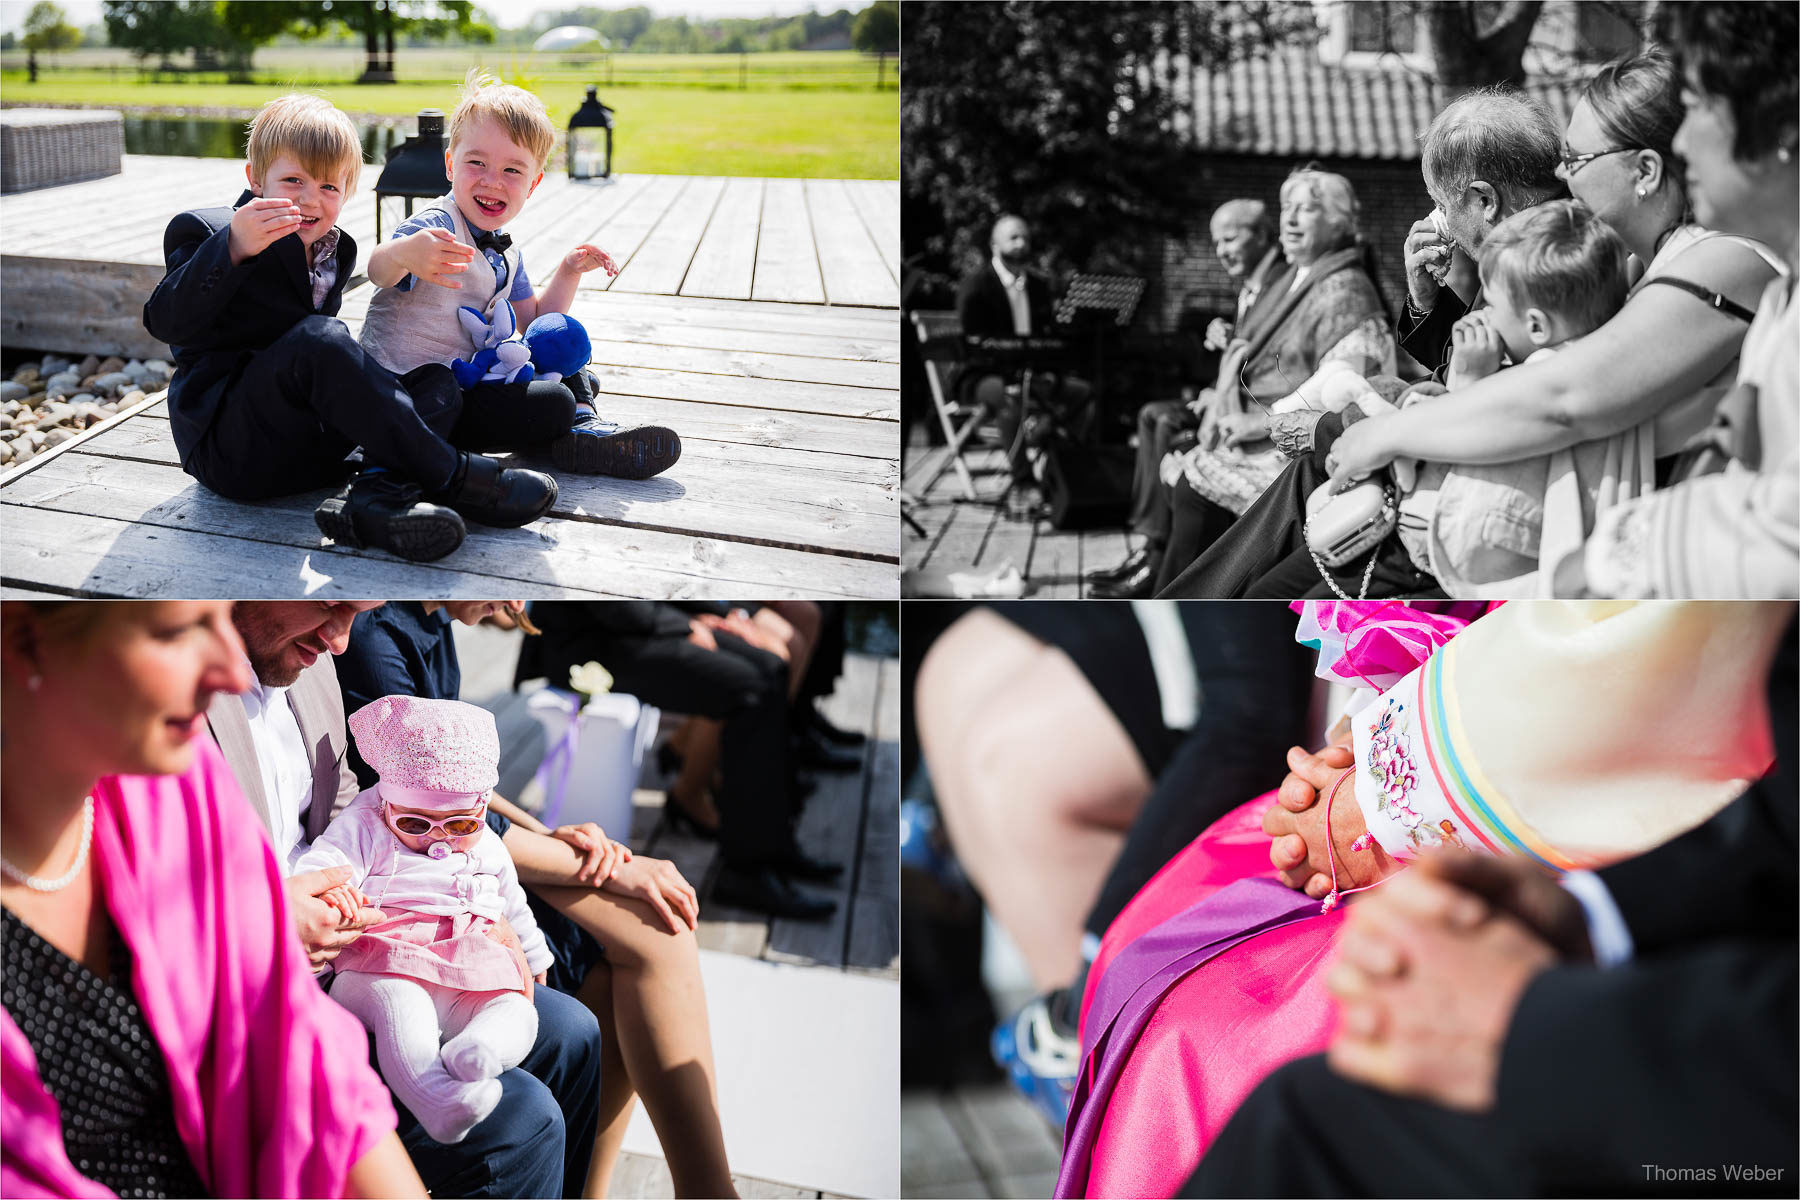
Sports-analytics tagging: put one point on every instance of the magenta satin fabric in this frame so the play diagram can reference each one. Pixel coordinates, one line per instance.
(1189, 1006)
(270, 1081)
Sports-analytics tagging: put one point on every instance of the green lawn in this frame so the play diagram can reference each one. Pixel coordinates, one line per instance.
(767, 130)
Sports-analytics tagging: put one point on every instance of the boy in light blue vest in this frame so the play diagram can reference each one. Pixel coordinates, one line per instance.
(500, 137)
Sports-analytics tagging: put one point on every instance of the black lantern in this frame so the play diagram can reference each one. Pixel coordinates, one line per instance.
(414, 171)
(590, 140)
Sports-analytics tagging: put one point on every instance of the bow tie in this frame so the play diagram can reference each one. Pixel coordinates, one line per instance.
(485, 240)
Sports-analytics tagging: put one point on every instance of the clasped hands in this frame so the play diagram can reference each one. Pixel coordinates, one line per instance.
(1432, 965)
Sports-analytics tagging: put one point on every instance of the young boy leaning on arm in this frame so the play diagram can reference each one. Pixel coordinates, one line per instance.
(500, 138)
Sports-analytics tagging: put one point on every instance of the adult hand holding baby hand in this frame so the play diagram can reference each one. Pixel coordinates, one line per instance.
(601, 856)
(261, 223)
(323, 929)
(435, 256)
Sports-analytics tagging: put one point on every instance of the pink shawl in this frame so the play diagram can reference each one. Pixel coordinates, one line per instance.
(270, 1081)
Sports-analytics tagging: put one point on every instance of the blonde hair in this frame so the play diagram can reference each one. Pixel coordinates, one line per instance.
(516, 110)
(1335, 197)
(1560, 257)
(314, 131)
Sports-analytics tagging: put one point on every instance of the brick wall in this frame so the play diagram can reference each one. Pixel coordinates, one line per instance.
(1391, 193)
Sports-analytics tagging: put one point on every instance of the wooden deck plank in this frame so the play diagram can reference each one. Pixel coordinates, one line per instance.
(763, 315)
(787, 260)
(661, 263)
(150, 516)
(785, 394)
(725, 261)
(1054, 571)
(853, 268)
(575, 213)
(632, 225)
(747, 364)
(763, 494)
(878, 203)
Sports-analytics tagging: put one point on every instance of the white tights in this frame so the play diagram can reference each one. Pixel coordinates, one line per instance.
(452, 1089)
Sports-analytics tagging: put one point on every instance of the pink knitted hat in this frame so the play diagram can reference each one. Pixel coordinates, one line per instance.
(436, 755)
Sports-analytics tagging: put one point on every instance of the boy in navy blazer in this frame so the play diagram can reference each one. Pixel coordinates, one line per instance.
(272, 393)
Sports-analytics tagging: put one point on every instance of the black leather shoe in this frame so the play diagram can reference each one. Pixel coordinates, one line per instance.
(766, 890)
(1136, 586)
(812, 751)
(797, 864)
(489, 494)
(1129, 567)
(376, 509)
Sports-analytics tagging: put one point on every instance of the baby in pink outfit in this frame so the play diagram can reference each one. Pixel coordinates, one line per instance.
(447, 1000)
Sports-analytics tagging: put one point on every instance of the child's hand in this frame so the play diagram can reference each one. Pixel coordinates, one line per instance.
(435, 256)
(348, 901)
(585, 258)
(260, 224)
(1475, 348)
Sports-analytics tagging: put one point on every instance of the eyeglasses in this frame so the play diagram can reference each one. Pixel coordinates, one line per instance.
(1572, 163)
(461, 825)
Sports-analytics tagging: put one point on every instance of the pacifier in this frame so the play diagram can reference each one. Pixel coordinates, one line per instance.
(439, 850)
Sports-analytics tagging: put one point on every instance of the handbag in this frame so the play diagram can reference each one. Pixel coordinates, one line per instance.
(1342, 526)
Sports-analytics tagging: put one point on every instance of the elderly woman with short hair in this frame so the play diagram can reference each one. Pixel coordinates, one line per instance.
(1324, 308)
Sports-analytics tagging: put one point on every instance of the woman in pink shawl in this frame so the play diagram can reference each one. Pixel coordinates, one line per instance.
(1569, 733)
(162, 1033)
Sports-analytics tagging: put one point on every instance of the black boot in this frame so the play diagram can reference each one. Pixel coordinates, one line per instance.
(766, 890)
(489, 494)
(1126, 569)
(1139, 584)
(376, 509)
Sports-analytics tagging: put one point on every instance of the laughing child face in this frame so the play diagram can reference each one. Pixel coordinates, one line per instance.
(490, 174)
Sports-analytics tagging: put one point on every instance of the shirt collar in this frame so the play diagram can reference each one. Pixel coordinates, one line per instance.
(325, 249)
(259, 696)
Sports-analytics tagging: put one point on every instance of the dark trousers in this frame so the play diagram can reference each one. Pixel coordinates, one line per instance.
(747, 689)
(539, 1139)
(511, 416)
(1307, 1131)
(303, 404)
(1255, 686)
(1160, 423)
(1298, 577)
(1254, 544)
(1195, 523)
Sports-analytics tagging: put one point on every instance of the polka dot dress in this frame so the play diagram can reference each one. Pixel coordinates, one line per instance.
(98, 1059)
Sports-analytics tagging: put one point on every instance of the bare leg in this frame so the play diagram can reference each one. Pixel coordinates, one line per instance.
(1037, 780)
(657, 1007)
(617, 1096)
(699, 764)
(797, 621)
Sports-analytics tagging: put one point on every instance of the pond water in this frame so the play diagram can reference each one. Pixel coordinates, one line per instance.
(224, 137)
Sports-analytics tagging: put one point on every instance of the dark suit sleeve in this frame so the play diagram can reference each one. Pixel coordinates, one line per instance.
(1691, 1045)
(1427, 338)
(200, 283)
(970, 313)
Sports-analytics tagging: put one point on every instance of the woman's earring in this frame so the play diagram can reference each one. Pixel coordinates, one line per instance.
(1784, 154)
(34, 682)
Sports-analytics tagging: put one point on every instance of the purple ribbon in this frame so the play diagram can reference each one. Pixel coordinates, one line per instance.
(560, 758)
(1135, 983)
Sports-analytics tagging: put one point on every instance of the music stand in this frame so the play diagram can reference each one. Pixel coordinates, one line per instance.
(1093, 298)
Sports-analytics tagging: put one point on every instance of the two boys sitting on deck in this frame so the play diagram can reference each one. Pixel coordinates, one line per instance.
(272, 394)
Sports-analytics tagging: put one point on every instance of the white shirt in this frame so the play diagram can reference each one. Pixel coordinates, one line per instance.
(1016, 297)
(286, 768)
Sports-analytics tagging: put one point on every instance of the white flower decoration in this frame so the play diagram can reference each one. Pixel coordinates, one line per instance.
(590, 679)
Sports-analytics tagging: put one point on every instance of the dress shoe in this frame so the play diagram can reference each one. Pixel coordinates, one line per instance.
(1136, 586)
(596, 447)
(1129, 567)
(680, 820)
(489, 494)
(831, 733)
(795, 863)
(376, 509)
(812, 751)
(766, 890)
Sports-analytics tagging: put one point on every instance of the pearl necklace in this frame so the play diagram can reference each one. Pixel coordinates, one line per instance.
(66, 878)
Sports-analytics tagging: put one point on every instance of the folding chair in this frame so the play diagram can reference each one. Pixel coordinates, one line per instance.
(940, 338)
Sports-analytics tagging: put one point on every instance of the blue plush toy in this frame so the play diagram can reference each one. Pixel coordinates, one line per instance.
(500, 355)
(559, 346)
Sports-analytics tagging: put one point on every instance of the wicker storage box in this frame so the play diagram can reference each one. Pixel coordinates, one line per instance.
(44, 147)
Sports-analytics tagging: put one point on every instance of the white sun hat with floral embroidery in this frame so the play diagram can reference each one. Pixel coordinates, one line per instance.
(1571, 732)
